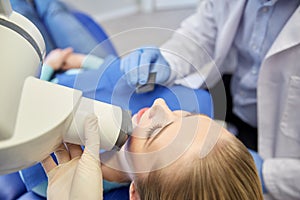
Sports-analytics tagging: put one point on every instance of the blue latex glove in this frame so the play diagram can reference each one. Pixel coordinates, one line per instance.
(140, 63)
(259, 163)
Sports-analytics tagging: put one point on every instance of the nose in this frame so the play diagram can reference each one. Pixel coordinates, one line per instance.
(160, 102)
(159, 108)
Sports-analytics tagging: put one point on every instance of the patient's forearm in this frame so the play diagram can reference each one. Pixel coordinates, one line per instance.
(91, 62)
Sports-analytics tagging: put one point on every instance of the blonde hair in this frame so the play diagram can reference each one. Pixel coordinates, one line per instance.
(227, 172)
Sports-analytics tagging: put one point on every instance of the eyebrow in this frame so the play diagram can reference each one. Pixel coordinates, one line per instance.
(148, 143)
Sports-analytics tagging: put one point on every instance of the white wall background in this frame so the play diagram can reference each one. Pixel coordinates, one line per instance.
(103, 10)
(127, 22)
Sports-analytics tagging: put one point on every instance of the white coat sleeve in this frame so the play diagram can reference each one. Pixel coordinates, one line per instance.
(192, 45)
(282, 178)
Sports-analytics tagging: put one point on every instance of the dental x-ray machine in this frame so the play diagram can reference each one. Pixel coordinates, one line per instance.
(36, 115)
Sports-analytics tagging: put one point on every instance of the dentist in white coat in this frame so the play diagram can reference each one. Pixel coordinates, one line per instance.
(258, 41)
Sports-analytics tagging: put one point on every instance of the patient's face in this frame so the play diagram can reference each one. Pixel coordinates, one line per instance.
(150, 125)
(162, 136)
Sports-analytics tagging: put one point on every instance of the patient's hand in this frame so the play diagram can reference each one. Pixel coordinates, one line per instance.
(74, 60)
(57, 58)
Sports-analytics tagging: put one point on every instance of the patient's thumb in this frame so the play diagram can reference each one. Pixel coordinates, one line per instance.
(92, 136)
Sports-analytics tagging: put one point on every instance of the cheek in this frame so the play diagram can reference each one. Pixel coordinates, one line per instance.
(161, 144)
(143, 123)
(135, 145)
(140, 114)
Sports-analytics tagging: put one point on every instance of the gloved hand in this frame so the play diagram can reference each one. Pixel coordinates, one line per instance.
(78, 175)
(140, 63)
(259, 163)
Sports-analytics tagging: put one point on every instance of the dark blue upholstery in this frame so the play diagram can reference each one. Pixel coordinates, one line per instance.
(11, 186)
(98, 33)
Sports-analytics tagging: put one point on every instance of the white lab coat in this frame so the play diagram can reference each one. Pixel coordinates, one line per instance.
(213, 27)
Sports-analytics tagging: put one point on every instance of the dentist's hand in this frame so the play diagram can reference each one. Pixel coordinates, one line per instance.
(259, 163)
(139, 64)
(78, 175)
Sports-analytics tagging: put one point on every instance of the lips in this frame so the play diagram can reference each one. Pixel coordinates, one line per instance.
(140, 114)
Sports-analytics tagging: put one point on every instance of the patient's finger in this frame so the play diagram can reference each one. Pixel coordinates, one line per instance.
(62, 154)
(74, 150)
(48, 164)
(66, 52)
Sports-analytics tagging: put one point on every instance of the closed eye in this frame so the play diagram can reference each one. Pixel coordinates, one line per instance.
(153, 129)
(157, 130)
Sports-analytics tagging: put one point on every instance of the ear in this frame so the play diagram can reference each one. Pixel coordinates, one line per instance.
(133, 193)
